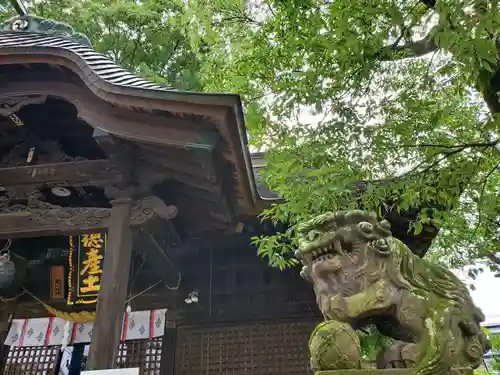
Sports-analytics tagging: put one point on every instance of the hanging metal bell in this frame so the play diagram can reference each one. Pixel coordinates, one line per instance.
(7, 273)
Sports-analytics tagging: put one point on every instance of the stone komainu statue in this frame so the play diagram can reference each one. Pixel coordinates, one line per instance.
(362, 276)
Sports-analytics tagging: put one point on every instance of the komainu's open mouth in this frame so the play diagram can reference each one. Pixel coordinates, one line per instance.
(323, 251)
(321, 255)
(334, 249)
(331, 235)
(326, 245)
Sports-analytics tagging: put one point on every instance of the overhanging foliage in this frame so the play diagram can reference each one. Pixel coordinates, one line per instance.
(341, 91)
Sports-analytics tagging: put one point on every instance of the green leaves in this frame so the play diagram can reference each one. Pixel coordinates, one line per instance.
(418, 228)
(494, 366)
(143, 36)
(372, 342)
(382, 97)
(266, 246)
(417, 124)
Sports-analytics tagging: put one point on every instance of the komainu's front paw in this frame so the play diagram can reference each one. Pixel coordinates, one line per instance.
(338, 308)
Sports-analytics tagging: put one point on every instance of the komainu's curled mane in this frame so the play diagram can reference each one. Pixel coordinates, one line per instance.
(362, 275)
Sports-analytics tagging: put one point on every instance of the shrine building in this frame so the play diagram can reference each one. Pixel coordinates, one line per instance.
(126, 213)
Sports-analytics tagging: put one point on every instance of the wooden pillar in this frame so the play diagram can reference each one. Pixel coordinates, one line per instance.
(168, 346)
(6, 314)
(113, 293)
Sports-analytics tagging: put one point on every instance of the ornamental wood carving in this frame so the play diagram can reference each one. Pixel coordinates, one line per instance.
(9, 205)
(36, 152)
(32, 217)
(99, 173)
(151, 207)
(12, 104)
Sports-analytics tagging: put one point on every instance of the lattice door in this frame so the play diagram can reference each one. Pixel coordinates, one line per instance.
(32, 360)
(145, 354)
(274, 348)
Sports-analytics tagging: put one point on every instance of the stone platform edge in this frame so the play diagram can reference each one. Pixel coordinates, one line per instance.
(394, 371)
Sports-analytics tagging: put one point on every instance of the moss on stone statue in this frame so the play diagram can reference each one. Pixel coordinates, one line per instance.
(395, 371)
(334, 344)
(362, 275)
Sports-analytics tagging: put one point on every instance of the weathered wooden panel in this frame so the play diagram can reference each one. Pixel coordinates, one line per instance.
(236, 285)
(270, 348)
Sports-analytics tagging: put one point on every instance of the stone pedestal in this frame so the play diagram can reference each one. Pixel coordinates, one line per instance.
(395, 371)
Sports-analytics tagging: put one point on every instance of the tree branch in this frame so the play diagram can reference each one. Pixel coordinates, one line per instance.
(481, 195)
(444, 156)
(491, 92)
(494, 259)
(174, 50)
(429, 3)
(461, 146)
(414, 49)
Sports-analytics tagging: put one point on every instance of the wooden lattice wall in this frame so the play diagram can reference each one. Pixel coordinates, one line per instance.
(236, 285)
(271, 348)
(32, 360)
(144, 354)
(251, 319)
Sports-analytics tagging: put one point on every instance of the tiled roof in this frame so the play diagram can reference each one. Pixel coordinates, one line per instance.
(100, 65)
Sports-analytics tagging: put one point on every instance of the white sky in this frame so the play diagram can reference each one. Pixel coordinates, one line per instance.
(486, 295)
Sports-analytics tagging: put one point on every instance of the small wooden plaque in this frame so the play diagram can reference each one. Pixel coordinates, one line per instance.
(57, 283)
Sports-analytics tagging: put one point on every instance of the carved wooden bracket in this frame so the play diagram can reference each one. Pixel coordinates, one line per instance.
(12, 104)
(150, 207)
(71, 220)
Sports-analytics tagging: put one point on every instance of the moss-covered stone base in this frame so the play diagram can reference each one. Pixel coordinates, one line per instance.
(396, 371)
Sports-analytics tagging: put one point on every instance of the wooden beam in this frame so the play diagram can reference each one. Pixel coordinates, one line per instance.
(71, 220)
(173, 132)
(12, 104)
(88, 172)
(156, 258)
(111, 304)
(6, 314)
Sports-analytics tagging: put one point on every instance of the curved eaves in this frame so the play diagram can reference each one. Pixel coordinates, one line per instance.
(105, 78)
(101, 73)
(100, 65)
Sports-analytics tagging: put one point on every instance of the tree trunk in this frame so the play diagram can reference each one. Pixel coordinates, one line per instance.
(491, 93)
